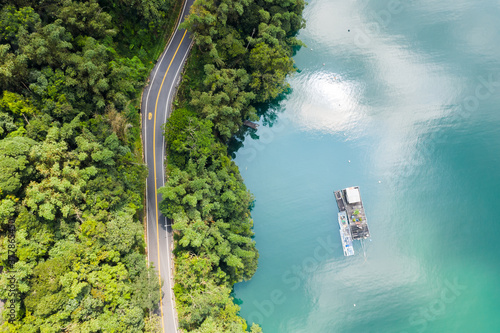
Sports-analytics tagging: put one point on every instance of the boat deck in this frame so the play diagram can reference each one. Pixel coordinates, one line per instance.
(340, 201)
(345, 234)
(359, 225)
(355, 215)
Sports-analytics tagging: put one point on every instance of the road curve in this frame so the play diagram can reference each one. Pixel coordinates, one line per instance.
(155, 108)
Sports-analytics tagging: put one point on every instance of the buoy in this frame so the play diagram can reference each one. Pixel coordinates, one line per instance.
(323, 64)
(354, 304)
(379, 182)
(349, 161)
(348, 30)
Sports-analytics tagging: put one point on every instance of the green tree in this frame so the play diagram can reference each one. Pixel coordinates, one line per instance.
(16, 168)
(226, 100)
(270, 66)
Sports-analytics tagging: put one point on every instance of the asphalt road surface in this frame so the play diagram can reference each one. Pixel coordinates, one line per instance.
(156, 101)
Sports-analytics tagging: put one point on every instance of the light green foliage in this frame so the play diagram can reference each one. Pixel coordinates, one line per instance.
(90, 239)
(153, 324)
(190, 138)
(270, 66)
(225, 101)
(241, 57)
(14, 112)
(7, 209)
(255, 328)
(71, 177)
(49, 297)
(208, 201)
(202, 301)
(16, 104)
(15, 166)
(210, 212)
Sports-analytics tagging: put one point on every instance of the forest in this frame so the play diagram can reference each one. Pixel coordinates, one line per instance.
(72, 176)
(241, 56)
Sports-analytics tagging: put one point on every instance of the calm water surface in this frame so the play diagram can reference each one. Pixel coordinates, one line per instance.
(403, 101)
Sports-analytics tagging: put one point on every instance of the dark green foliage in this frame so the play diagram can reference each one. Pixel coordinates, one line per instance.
(246, 49)
(69, 64)
(241, 57)
(71, 177)
(208, 201)
(71, 172)
(225, 101)
(141, 24)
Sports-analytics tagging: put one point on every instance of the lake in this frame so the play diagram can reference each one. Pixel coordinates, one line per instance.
(402, 100)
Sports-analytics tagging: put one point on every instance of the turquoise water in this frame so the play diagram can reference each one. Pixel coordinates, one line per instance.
(405, 105)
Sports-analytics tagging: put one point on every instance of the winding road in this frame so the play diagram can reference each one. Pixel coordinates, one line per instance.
(155, 108)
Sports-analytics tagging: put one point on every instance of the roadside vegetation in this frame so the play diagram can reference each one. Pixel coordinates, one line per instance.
(71, 171)
(241, 56)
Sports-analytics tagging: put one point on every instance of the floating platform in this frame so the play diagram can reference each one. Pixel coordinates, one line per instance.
(351, 209)
(345, 234)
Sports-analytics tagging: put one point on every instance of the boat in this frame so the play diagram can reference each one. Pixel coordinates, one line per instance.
(351, 217)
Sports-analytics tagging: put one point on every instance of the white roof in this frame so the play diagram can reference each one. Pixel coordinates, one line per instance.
(352, 194)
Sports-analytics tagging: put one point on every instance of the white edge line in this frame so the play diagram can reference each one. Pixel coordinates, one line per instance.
(158, 65)
(163, 174)
(146, 119)
(163, 178)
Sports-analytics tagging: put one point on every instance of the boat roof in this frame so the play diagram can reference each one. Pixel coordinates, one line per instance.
(352, 194)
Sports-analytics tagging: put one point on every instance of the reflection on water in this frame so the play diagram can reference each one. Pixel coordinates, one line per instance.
(327, 103)
(404, 104)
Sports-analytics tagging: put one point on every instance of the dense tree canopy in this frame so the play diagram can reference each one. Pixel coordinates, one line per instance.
(71, 172)
(241, 57)
(209, 203)
(246, 48)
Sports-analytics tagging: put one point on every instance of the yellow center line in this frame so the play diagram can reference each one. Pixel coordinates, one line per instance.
(154, 171)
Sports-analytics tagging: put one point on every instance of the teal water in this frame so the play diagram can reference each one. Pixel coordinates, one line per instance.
(405, 105)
